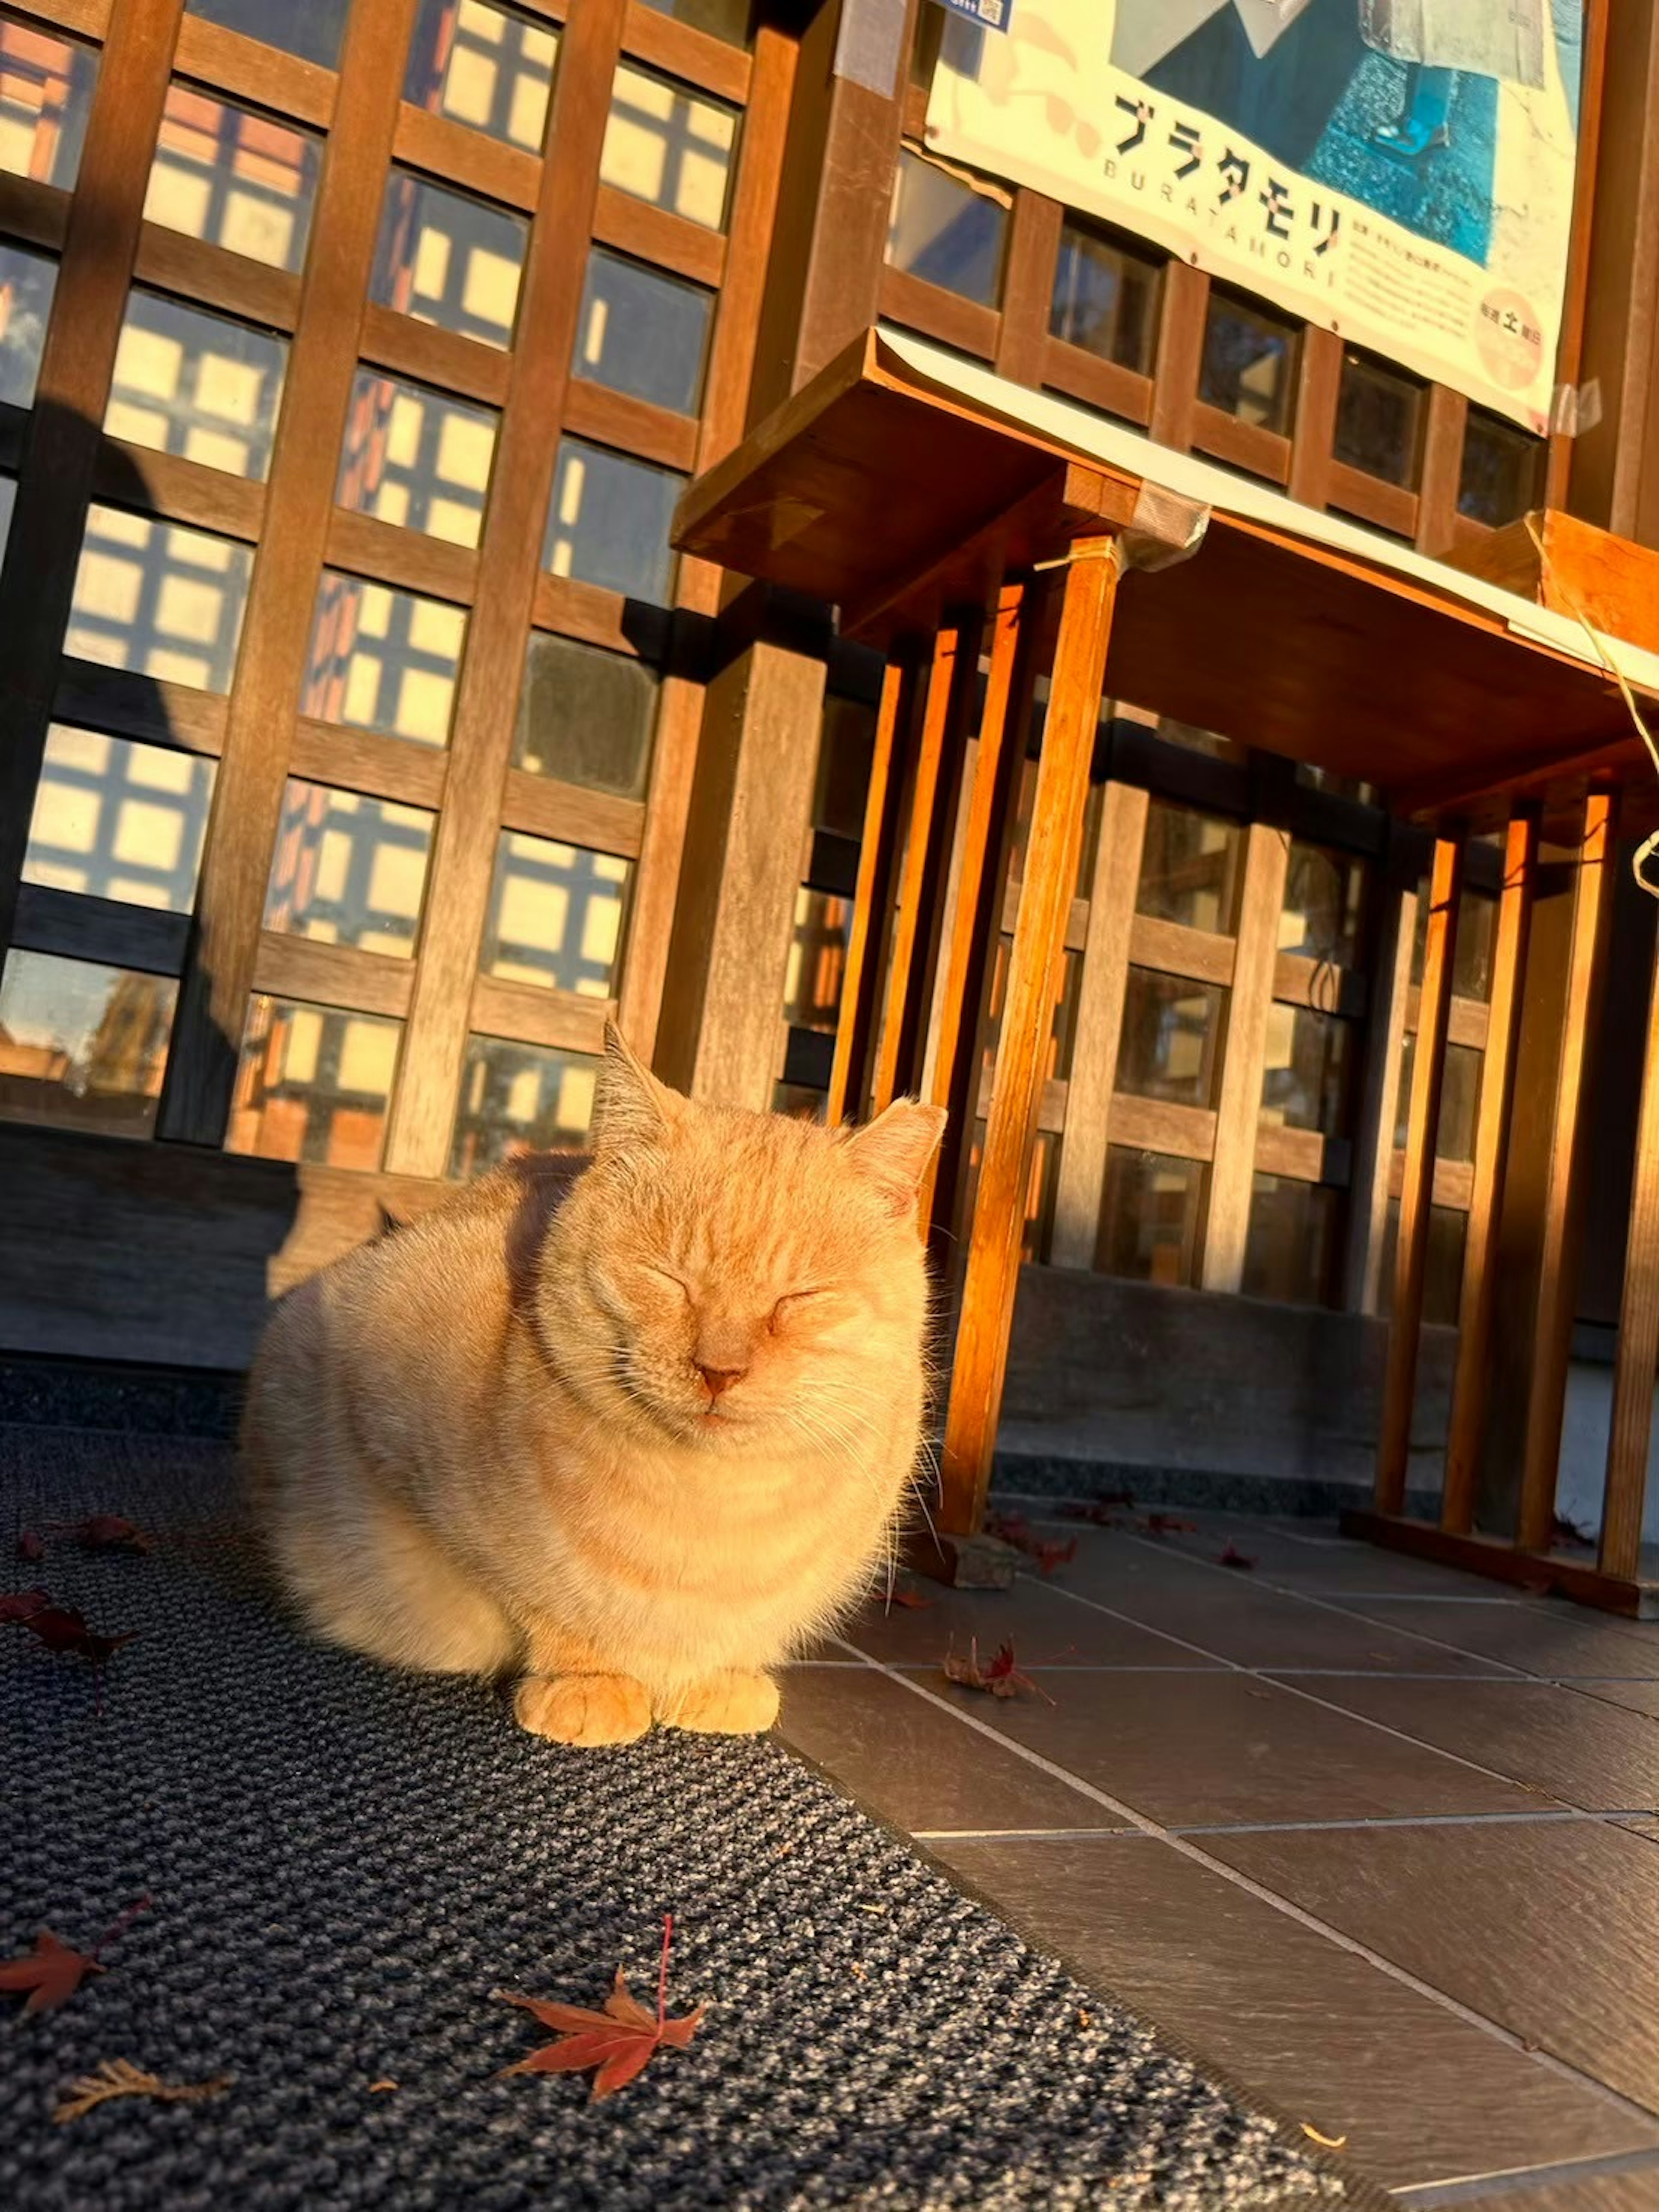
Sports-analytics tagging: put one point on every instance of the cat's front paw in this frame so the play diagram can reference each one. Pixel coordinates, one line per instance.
(731, 1703)
(583, 1709)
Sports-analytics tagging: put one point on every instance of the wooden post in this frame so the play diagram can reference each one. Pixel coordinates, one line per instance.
(1411, 1257)
(861, 981)
(1238, 1110)
(1034, 968)
(1592, 916)
(1373, 1149)
(1475, 1318)
(1638, 1357)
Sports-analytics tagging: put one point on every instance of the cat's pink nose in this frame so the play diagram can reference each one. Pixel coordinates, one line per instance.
(720, 1379)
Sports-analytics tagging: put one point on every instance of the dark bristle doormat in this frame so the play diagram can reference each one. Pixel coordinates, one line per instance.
(342, 1863)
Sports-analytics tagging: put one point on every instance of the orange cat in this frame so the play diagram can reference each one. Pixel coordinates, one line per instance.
(641, 1434)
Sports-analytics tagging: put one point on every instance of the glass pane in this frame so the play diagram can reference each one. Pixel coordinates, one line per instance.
(194, 384)
(118, 820)
(1290, 1247)
(27, 283)
(1307, 1071)
(1472, 947)
(82, 1046)
(1324, 904)
(383, 661)
(449, 260)
(315, 1083)
(1442, 1278)
(310, 28)
(1105, 298)
(1344, 787)
(1459, 1099)
(1151, 1217)
(643, 332)
(585, 716)
(1190, 866)
(817, 960)
(1379, 420)
(1501, 476)
(1250, 363)
(1171, 1039)
(669, 145)
(161, 599)
(417, 459)
(609, 522)
(233, 178)
(556, 916)
(945, 233)
(721, 19)
(7, 501)
(348, 870)
(521, 1098)
(45, 90)
(845, 753)
(483, 67)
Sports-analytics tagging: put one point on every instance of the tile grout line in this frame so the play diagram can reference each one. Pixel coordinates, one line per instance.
(1518, 2182)
(1291, 1910)
(1569, 1814)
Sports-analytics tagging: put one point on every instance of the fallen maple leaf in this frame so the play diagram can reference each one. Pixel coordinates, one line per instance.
(31, 1545)
(1232, 1556)
(1000, 1677)
(51, 1973)
(1169, 1524)
(1053, 1553)
(911, 1600)
(120, 2077)
(618, 2043)
(62, 1628)
(1014, 1528)
(1099, 1515)
(1564, 1531)
(104, 1532)
(19, 1605)
(1010, 1527)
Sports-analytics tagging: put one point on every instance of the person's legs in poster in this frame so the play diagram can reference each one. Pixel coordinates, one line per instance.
(1425, 122)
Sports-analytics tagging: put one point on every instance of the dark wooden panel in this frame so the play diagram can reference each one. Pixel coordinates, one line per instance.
(82, 928)
(132, 706)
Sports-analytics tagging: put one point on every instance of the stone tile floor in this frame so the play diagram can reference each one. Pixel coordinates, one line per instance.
(1380, 1838)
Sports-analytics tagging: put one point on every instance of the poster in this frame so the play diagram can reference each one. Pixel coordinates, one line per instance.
(1399, 171)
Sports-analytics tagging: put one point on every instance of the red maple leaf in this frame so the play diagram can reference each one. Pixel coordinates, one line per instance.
(1053, 1553)
(1169, 1524)
(31, 1545)
(51, 1972)
(911, 1600)
(618, 2043)
(1232, 1556)
(1014, 1528)
(105, 1532)
(18, 1605)
(62, 1628)
(1000, 1676)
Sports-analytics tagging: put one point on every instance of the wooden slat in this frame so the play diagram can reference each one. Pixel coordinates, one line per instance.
(362, 760)
(1412, 1251)
(1242, 445)
(1319, 384)
(197, 270)
(662, 842)
(332, 975)
(1238, 1109)
(1077, 915)
(181, 490)
(128, 705)
(712, 64)
(34, 212)
(614, 418)
(89, 17)
(1492, 1556)
(1157, 1125)
(1386, 507)
(464, 851)
(14, 435)
(1321, 984)
(455, 154)
(1052, 1103)
(1180, 349)
(1442, 469)
(277, 627)
(444, 358)
(597, 617)
(1450, 1189)
(531, 1015)
(1467, 1019)
(944, 316)
(544, 806)
(1028, 287)
(1625, 1492)
(1103, 384)
(1570, 347)
(654, 233)
(1474, 1315)
(82, 928)
(248, 70)
(1564, 1174)
(77, 360)
(1303, 1155)
(1082, 1177)
(1034, 976)
(861, 979)
(1175, 949)
(1378, 1108)
(932, 789)
(406, 558)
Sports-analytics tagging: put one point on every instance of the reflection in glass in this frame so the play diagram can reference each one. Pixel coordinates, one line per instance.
(1324, 904)
(1443, 1278)
(156, 597)
(450, 260)
(7, 501)
(1290, 1247)
(1249, 366)
(1172, 1031)
(118, 820)
(310, 28)
(485, 67)
(1379, 420)
(1501, 476)
(1307, 1074)
(1190, 868)
(846, 750)
(1151, 1217)
(27, 283)
(643, 332)
(233, 178)
(382, 660)
(196, 384)
(730, 20)
(1459, 1099)
(1472, 946)
(521, 1098)
(608, 524)
(1105, 297)
(556, 916)
(817, 960)
(943, 231)
(415, 458)
(585, 715)
(82, 1046)
(45, 90)
(669, 145)
(348, 870)
(313, 1083)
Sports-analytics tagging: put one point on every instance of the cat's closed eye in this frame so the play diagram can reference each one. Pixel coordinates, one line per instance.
(673, 1281)
(792, 1299)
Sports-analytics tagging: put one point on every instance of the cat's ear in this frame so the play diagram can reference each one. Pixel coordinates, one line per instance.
(632, 1110)
(893, 1151)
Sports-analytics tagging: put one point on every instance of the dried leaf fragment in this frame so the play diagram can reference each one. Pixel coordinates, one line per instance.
(120, 2077)
(1232, 1556)
(105, 1532)
(618, 2043)
(31, 1545)
(998, 1676)
(1169, 1524)
(1325, 2143)
(384, 2082)
(911, 1600)
(51, 1973)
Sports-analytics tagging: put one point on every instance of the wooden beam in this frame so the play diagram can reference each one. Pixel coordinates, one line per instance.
(1492, 1556)
(1373, 1150)
(1028, 286)
(1442, 468)
(1625, 1494)
(1423, 1122)
(1180, 351)
(1319, 384)
(1082, 1179)
(1474, 1318)
(1238, 1109)
(861, 979)
(1564, 1184)
(1034, 968)
(1570, 350)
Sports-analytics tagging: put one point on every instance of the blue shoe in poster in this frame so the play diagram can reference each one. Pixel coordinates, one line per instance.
(1425, 126)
